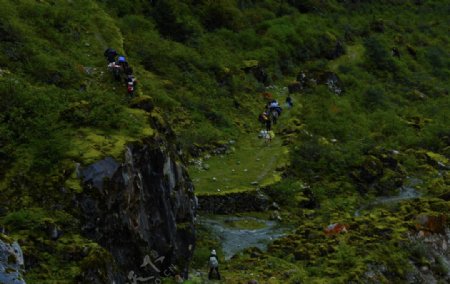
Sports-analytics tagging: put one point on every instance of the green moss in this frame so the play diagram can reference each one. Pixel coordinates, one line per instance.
(92, 145)
(6, 239)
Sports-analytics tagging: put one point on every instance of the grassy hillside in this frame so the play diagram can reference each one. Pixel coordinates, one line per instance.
(205, 65)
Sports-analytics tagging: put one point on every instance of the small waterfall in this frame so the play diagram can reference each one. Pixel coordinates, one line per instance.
(405, 192)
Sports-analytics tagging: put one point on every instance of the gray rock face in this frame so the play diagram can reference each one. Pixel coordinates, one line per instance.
(11, 260)
(97, 172)
(144, 213)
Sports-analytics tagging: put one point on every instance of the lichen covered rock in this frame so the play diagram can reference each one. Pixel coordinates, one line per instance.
(11, 261)
(143, 210)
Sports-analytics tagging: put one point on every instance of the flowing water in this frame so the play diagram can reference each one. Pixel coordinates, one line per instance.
(235, 239)
(408, 191)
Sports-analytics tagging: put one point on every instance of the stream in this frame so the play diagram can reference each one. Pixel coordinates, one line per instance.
(407, 191)
(238, 238)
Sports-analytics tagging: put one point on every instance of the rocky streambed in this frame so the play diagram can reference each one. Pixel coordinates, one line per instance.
(238, 233)
(405, 192)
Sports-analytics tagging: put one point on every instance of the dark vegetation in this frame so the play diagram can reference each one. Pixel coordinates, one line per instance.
(204, 65)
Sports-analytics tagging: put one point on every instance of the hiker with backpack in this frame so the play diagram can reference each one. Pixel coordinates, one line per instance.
(122, 62)
(115, 69)
(289, 103)
(265, 120)
(130, 81)
(213, 265)
(131, 85)
(110, 55)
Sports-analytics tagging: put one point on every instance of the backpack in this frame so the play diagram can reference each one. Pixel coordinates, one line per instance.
(213, 263)
(263, 118)
(130, 87)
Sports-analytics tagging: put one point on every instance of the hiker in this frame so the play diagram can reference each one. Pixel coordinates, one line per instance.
(273, 104)
(128, 70)
(131, 85)
(115, 69)
(110, 55)
(122, 62)
(263, 117)
(289, 101)
(268, 122)
(213, 265)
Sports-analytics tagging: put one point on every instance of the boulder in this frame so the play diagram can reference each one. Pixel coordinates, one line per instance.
(11, 261)
(309, 79)
(147, 207)
(95, 174)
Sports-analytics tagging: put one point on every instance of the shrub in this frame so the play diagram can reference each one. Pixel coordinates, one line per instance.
(374, 97)
(175, 20)
(377, 56)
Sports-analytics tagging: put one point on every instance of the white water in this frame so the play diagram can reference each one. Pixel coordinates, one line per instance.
(234, 240)
(405, 192)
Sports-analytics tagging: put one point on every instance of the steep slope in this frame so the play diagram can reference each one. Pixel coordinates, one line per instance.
(90, 187)
(79, 162)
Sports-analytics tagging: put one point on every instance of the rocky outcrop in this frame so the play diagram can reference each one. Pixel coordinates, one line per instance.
(11, 261)
(380, 171)
(141, 210)
(312, 78)
(430, 253)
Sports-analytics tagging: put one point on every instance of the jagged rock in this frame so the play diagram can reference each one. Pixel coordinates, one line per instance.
(95, 174)
(147, 206)
(309, 79)
(11, 261)
(333, 82)
(274, 206)
(275, 215)
(371, 169)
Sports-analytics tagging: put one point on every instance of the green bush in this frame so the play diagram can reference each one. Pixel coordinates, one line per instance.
(378, 56)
